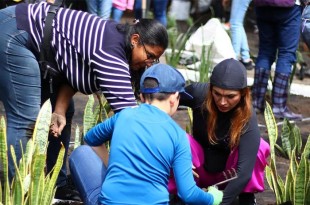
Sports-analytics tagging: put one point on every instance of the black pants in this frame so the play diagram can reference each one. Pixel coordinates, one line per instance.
(244, 199)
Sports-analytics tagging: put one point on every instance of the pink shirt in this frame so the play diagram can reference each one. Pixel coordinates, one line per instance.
(123, 4)
(256, 183)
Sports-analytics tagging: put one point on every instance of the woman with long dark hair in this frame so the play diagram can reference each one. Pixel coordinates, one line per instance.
(88, 54)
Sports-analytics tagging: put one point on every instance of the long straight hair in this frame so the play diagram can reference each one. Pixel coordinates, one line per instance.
(241, 116)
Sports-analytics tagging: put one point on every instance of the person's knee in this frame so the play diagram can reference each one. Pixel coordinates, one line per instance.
(79, 153)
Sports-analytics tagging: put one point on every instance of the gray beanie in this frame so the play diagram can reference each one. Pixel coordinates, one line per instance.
(229, 74)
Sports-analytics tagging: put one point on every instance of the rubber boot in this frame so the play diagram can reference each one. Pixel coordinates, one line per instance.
(259, 88)
(279, 98)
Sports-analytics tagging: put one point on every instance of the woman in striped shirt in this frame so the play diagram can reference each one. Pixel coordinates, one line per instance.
(90, 55)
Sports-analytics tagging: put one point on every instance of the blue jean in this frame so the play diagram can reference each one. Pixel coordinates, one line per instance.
(159, 10)
(22, 92)
(238, 35)
(101, 8)
(88, 173)
(19, 84)
(279, 33)
(117, 14)
(305, 25)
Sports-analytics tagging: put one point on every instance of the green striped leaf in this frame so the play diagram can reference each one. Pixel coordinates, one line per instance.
(306, 155)
(77, 137)
(42, 186)
(29, 151)
(277, 182)
(190, 115)
(104, 108)
(300, 183)
(292, 191)
(107, 111)
(49, 191)
(22, 164)
(269, 178)
(18, 190)
(0, 193)
(285, 138)
(281, 187)
(289, 182)
(42, 127)
(280, 150)
(293, 163)
(88, 117)
(271, 128)
(27, 181)
(298, 140)
(97, 118)
(306, 152)
(4, 161)
(307, 201)
(26, 159)
(37, 173)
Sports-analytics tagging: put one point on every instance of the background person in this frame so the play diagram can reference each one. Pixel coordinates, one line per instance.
(226, 129)
(179, 10)
(238, 35)
(91, 55)
(145, 144)
(279, 34)
(159, 8)
(101, 8)
(118, 8)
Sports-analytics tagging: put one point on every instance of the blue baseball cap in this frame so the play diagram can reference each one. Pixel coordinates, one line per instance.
(169, 79)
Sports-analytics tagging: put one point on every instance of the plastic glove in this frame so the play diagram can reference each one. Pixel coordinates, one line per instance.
(58, 123)
(217, 195)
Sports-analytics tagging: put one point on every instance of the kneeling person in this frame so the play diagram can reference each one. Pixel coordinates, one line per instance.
(146, 143)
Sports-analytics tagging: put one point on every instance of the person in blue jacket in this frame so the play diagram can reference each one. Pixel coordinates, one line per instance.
(146, 143)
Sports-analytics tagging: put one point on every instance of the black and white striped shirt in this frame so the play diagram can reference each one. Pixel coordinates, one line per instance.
(89, 51)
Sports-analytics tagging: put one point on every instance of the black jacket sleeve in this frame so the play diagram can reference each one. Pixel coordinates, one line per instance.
(198, 91)
(248, 148)
(199, 129)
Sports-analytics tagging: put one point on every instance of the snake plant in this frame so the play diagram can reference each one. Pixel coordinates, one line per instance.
(93, 114)
(31, 185)
(296, 186)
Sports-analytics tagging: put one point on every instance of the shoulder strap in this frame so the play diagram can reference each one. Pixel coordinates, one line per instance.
(46, 53)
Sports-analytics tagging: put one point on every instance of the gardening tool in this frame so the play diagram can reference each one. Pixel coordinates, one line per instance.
(229, 175)
(225, 181)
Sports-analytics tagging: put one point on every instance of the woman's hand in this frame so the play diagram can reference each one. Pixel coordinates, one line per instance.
(58, 123)
(64, 96)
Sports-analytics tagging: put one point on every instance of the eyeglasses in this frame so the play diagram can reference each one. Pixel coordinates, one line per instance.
(150, 56)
